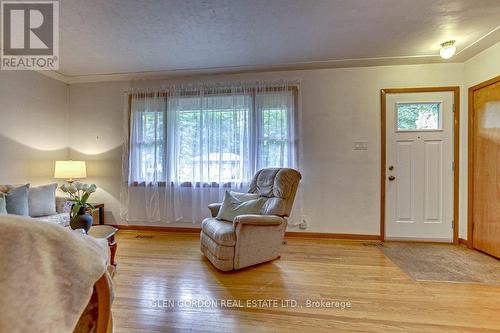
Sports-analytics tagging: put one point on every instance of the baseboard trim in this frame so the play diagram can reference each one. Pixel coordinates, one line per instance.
(462, 241)
(418, 241)
(156, 228)
(331, 235)
(287, 234)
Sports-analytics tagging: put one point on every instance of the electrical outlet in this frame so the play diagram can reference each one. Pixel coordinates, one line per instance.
(303, 224)
(360, 145)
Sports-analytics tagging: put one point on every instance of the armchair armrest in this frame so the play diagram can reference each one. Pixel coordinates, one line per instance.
(214, 208)
(261, 220)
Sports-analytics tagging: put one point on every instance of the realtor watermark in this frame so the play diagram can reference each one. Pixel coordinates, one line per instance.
(29, 35)
(251, 303)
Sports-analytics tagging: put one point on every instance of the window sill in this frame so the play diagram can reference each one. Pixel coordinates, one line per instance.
(185, 184)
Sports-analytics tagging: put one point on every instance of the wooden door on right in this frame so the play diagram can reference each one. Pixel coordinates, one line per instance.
(486, 169)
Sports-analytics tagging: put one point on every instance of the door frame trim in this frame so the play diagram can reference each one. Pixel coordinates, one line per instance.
(456, 154)
(470, 162)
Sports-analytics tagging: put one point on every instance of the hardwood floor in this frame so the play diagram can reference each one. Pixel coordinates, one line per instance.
(169, 267)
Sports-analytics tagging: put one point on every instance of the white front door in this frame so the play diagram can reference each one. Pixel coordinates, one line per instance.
(419, 166)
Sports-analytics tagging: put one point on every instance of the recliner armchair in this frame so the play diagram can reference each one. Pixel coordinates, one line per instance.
(252, 239)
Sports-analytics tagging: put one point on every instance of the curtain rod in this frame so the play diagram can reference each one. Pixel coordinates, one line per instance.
(214, 84)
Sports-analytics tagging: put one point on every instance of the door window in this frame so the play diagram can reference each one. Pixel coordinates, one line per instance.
(422, 116)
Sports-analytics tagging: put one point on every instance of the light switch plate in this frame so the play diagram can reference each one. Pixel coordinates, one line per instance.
(360, 145)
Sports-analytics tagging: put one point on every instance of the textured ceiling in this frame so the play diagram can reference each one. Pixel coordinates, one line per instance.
(125, 36)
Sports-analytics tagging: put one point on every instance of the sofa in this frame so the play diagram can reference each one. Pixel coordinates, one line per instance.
(63, 206)
(60, 211)
(254, 238)
(96, 316)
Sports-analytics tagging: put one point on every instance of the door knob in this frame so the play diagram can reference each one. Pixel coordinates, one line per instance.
(391, 178)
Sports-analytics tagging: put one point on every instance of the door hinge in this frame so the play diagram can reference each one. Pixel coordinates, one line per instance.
(452, 225)
(453, 166)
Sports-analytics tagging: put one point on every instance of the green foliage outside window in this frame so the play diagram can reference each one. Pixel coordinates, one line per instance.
(275, 137)
(210, 143)
(417, 116)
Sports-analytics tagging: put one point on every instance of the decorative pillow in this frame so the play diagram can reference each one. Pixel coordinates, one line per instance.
(3, 207)
(244, 196)
(42, 200)
(232, 207)
(17, 201)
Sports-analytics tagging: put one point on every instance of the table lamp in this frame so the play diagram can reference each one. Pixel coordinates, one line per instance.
(70, 170)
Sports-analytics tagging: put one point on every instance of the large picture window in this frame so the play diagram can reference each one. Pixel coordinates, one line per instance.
(211, 138)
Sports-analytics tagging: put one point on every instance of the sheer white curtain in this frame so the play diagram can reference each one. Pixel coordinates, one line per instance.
(276, 128)
(189, 144)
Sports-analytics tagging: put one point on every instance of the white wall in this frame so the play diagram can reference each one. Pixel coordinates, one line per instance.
(480, 68)
(483, 66)
(33, 126)
(340, 187)
(99, 109)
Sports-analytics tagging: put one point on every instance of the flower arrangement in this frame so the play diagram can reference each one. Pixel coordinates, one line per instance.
(79, 194)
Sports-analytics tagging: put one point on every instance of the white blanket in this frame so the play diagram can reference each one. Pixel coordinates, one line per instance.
(47, 273)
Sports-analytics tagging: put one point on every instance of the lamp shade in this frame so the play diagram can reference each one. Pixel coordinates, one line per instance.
(70, 169)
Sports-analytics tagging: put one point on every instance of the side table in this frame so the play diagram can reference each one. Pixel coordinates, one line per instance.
(108, 232)
(98, 213)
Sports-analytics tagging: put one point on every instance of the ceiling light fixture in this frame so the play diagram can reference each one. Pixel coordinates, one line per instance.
(448, 49)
